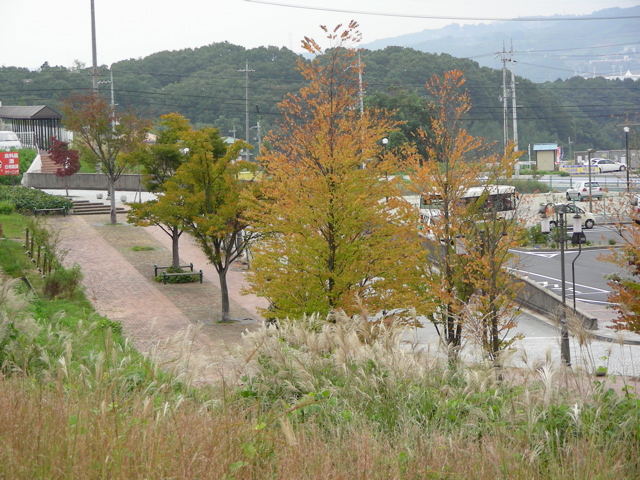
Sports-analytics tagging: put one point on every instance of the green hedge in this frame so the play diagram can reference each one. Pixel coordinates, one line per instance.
(26, 199)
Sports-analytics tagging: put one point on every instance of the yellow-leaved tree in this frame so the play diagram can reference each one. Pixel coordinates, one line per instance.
(471, 223)
(336, 233)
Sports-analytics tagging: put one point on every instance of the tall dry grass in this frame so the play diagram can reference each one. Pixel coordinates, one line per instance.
(318, 398)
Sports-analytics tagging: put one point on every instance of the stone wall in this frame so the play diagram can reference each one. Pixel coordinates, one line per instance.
(81, 181)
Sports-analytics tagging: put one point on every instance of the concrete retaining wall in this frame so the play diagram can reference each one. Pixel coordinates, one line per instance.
(534, 297)
(81, 181)
(545, 302)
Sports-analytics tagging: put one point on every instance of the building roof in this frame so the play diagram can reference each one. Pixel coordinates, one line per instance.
(544, 146)
(33, 112)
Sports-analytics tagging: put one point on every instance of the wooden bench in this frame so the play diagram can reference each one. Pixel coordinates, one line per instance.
(156, 268)
(166, 275)
(37, 211)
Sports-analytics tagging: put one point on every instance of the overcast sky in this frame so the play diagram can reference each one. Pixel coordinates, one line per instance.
(59, 31)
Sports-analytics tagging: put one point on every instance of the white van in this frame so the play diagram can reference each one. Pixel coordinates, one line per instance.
(9, 140)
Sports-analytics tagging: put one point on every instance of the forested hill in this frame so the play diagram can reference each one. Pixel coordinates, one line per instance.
(602, 43)
(208, 86)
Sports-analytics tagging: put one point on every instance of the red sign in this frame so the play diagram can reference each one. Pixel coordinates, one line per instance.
(9, 163)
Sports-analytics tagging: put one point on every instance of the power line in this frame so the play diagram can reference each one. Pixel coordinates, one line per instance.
(440, 17)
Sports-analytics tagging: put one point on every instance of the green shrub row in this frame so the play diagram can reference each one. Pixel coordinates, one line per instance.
(27, 199)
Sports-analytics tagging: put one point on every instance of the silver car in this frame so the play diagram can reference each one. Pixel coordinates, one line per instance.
(580, 191)
(606, 165)
(588, 219)
(9, 141)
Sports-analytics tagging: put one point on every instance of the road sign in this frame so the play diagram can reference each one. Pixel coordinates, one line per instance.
(9, 163)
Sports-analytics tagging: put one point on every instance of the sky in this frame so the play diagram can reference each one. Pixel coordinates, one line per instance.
(59, 31)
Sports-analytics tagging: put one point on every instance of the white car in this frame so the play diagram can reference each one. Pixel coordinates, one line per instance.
(580, 191)
(588, 218)
(9, 140)
(606, 165)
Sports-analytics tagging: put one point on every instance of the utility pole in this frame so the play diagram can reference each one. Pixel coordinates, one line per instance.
(508, 91)
(360, 92)
(246, 94)
(514, 104)
(113, 100)
(505, 106)
(94, 49)
(259, 133)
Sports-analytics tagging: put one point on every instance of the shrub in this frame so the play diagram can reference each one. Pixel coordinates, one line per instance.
(528, 185)
(535, 236)
(63, 282)
(180, 278)
(27, 199)
(7, 207)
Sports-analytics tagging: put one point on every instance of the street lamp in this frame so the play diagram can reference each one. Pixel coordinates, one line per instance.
(545, 227)
(385, 140)
(626, 144)
(589, 152)
(579, 238)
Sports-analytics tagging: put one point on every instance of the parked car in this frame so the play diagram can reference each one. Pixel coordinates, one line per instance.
(606, 165)
(588, 218)
(9, 141)
(580, 191)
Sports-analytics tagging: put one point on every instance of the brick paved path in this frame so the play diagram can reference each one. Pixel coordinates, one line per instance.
(179, 322)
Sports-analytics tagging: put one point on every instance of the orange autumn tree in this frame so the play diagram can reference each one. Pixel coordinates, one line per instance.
(625, 285)
(336, 234)
(472, 293)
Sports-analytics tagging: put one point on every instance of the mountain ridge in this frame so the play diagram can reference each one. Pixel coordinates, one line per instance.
(614, 50)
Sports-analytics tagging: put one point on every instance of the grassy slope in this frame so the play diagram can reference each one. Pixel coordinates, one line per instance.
(78, 401)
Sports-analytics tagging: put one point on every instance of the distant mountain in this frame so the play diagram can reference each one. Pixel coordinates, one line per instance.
(543, 50)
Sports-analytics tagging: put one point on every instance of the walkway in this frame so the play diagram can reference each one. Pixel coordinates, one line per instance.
(177, 323)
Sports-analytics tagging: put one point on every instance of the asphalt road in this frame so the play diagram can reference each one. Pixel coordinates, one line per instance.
(589, 267)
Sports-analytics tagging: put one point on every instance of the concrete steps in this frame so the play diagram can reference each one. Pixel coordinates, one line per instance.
(85, 207)
(47, 164)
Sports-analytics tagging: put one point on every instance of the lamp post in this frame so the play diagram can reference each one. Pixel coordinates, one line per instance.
(385, 141)
(589, 152)
(545, 227)
(626, 144)
(579, 238)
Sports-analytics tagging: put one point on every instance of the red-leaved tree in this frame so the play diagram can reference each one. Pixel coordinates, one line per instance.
(65, 158)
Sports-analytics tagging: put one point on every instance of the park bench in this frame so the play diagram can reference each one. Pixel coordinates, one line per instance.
(166, 275)
(156, 268)
(40, 211)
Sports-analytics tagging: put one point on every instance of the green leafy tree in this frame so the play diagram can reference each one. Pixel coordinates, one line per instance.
(336, 234)
(104, 136)
(159, 162)
(205, 194)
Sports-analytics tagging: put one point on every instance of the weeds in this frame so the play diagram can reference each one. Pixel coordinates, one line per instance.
(318, 398)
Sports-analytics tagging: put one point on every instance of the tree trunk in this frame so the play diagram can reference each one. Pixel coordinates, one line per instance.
(112, 193)
(224, 294)
(175, 239)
